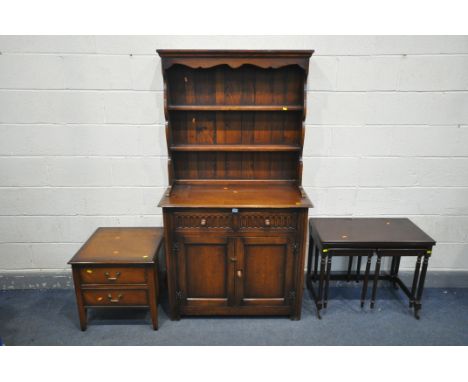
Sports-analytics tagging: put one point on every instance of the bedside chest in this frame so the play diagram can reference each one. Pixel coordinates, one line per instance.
(117, 267)
(372, 238)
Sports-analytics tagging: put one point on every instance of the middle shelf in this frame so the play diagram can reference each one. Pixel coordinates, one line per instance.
(236, 147)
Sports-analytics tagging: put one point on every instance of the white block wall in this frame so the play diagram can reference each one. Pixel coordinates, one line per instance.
(82, 141)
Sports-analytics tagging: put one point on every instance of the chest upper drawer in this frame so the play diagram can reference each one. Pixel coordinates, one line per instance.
(187, 220)
(113, 275)
(273, 220)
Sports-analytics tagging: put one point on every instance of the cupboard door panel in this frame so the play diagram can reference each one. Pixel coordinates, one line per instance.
(264, 271)
(266, 265)
(205, 272)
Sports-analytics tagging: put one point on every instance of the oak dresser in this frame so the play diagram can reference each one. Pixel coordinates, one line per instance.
(235, 213)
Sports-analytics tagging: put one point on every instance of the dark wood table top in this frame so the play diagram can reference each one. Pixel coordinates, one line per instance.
(135, 245)
(264, 195)
(369, 232)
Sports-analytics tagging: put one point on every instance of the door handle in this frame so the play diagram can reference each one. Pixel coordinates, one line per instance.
(239, 274)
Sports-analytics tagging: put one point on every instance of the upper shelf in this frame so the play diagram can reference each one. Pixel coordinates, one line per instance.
(236, 107)
(235, 58)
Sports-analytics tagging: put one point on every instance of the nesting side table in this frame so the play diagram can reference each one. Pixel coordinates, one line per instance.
(117, 267)
(369, 238)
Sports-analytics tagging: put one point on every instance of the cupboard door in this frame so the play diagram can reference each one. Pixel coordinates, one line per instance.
(205, 271)
(265, 270)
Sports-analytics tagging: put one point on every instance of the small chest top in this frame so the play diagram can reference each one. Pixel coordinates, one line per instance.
(120, 246)
(369, 232)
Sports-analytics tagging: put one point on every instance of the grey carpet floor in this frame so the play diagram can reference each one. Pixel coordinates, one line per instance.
(49, 317)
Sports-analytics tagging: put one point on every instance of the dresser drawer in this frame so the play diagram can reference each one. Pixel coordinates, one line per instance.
(117, 297)
(113, 275)
(203, 220)
(269, 220)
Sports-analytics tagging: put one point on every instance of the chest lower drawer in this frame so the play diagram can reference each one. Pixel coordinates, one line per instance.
(268, 220)
(117, 297)
(113, 275)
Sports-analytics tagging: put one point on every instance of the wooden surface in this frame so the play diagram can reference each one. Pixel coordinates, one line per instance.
(120, 246)
(359, 232)
(262, 195)
(281, 107)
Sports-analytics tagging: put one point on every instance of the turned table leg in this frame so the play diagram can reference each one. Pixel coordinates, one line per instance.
(415, 282)
(366, 280)
(350, 265)
(395, 267)
(152, 275)
(316, 263)
(327, 280)
(417, 303)
(376, 280)
(82, 314)
(358, 268)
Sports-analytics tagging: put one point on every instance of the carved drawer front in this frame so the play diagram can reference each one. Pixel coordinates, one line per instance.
(203, 220)
(115, 297)
(268, 220)
(112, 275)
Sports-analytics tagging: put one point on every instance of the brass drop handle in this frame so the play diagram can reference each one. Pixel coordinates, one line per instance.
(117, 274)
(109, 296)
(239, 274)
(267, 222)
(203, 222)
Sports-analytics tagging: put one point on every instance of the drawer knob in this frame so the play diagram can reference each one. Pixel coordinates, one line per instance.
(203, 222)
(117, 274)
(239, 274)
(114, 300)
(267, 222)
